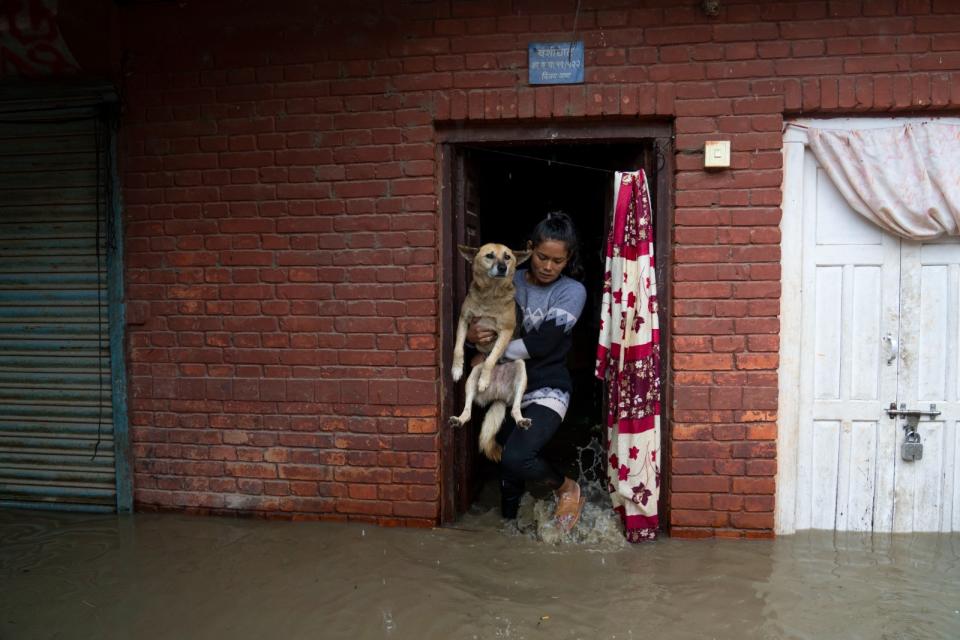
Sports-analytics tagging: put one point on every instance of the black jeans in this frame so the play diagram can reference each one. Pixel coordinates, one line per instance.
(521, 461)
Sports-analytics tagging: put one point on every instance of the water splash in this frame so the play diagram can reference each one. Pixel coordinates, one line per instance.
(503, 627)
(598, 524)
(592, 462)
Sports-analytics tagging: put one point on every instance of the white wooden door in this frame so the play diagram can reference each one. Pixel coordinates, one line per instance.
(927, 493)
(876, 322)
(850, 302)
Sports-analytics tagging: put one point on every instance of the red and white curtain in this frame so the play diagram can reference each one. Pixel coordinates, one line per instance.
(628, 358)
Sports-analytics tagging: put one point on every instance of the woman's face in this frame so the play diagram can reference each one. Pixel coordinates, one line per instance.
(547, 262)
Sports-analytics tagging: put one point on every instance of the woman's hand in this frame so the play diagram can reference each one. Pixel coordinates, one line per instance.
(479, 336)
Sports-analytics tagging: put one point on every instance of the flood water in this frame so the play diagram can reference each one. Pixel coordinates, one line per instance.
(172, 576)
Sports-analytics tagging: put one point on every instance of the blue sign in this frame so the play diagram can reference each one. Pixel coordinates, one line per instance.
(556, 62)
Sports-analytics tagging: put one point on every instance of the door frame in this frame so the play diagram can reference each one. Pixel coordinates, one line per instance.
(791, 300)
(117, 315)
(451, 137)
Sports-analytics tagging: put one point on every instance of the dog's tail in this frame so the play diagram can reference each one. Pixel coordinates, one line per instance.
(488, 431)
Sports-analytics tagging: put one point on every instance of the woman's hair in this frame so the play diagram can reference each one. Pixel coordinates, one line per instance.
(557, 225)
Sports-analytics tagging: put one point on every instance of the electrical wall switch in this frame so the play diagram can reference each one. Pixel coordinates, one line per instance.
(716, 154)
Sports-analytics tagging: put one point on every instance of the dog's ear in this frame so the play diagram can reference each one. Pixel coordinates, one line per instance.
(468, 253)
(522, 256)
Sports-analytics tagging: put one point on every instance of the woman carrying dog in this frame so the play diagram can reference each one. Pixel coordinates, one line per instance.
(551, 301)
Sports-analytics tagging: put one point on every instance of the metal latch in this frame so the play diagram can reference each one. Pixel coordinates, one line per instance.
(912, 449)
(912, 415)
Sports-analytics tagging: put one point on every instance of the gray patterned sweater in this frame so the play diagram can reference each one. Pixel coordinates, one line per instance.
(549, 314)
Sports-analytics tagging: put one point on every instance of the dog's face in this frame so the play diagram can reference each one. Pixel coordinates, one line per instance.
(494, 260)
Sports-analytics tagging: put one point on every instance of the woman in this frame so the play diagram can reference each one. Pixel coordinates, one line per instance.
(551, 301)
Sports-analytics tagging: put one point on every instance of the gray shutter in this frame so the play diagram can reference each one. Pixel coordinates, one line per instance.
(56, 420)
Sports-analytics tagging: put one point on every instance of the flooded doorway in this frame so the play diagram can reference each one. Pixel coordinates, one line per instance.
(498, 183)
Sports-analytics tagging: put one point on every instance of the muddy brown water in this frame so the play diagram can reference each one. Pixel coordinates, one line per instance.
(172, 576)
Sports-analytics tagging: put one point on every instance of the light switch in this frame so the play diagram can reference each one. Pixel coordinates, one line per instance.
(716, 154)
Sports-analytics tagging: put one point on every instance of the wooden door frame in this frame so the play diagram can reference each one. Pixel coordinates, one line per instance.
(450, 140)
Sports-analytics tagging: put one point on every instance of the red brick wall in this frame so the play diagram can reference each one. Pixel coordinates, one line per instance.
(281, 203)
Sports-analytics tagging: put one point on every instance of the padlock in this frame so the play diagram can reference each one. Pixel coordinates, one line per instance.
(912, 448)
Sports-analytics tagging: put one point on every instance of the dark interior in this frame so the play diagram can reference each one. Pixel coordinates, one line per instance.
(515, 187)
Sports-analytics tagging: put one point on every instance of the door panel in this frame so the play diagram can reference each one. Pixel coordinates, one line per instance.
(858, 477)
(867, 290)
(926, 491)
(952, 481)
(834, 229)
(932, 341)
(919, 485)
(828, 332)
(826, 444)
(850, 301)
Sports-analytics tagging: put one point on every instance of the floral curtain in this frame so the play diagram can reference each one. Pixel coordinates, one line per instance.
(628, 358)
(904, 178)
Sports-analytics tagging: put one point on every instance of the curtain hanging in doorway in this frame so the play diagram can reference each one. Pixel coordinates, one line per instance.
(628, 358)
(904, 178)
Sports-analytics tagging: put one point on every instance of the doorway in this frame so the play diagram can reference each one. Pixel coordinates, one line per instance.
(868, 320)
(499, 182)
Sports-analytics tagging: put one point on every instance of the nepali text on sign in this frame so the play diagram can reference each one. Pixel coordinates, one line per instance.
(556, 62)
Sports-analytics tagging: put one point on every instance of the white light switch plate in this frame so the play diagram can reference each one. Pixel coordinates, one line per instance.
(716, 154)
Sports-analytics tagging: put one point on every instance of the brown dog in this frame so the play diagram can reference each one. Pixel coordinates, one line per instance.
(490, 301)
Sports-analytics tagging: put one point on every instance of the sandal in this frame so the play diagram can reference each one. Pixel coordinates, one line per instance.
(569, 507)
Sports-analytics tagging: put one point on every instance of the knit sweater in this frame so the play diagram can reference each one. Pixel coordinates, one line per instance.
(549, 314)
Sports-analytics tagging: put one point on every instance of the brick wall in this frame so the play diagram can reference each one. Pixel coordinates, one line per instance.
(281, 189)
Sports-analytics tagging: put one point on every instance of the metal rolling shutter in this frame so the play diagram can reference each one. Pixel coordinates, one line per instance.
(56, 419)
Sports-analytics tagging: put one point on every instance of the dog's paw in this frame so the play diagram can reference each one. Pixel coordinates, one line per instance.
(524, 423)
(483, 383)
(456, 373)
(455, 421)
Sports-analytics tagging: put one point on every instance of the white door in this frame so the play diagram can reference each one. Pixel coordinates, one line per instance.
(927, 494)
(867, 320)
